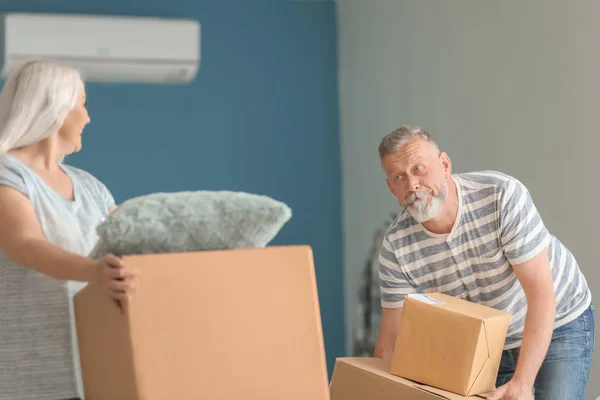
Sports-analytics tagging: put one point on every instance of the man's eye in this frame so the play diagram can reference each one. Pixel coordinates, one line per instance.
(397, 177)
(419, 168)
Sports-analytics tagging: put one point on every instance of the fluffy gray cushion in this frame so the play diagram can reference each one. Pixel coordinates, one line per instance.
(191, 221)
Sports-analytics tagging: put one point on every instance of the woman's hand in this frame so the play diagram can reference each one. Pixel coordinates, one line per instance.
(118, 282)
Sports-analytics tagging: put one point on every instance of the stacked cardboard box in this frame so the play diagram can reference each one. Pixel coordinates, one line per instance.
(245, 324)
(446, 347)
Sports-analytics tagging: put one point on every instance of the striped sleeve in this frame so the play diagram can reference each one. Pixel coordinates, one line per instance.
(393, 283)
(523, 233)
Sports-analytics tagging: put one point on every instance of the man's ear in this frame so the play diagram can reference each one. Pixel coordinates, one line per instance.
(446, 163)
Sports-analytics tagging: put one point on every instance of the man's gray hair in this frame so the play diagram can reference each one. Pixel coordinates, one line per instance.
(392, 142)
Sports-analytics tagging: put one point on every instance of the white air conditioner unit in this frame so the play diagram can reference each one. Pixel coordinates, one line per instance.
(104, 48)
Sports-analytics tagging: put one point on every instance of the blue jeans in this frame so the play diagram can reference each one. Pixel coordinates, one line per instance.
(566, 369)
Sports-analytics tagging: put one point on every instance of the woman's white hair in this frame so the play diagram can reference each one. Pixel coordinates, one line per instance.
(34, 102)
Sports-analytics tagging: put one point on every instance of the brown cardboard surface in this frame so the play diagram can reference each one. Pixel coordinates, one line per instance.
(238, 324)
(362, 378)
(105, 351)
(455, 346)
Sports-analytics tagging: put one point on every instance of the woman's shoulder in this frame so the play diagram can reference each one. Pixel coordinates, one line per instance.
(9, 164)
(13, 174)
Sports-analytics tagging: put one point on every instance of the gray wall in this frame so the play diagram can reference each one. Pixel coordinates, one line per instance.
(512, 86)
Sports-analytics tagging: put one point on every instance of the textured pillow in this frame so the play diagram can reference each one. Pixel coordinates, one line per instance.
(191, 221)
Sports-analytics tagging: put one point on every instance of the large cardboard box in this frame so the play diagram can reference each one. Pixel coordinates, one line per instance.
(239, 324)
(449, 343)
(367, 378)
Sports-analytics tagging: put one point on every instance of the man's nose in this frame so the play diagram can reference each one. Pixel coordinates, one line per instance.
(414, 185)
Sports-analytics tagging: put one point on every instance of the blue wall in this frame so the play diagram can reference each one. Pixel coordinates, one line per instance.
(261, 117)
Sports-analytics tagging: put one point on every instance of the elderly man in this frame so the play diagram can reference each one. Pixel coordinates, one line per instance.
(478, 236)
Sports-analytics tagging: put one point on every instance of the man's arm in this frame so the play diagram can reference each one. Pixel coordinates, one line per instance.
(535, 277)
(390, 325)
(393, 285)
(525, 241)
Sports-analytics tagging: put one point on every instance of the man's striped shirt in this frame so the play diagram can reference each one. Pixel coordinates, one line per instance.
(497, 226)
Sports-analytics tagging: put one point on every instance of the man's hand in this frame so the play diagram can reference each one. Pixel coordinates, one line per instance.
(513, 390)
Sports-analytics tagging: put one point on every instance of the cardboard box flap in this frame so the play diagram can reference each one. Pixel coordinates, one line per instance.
(466, 307)
(480, 359)
(495, 330)
(380, 367)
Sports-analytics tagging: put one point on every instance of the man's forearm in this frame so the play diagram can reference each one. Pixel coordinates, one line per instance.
(537, 334)
(52, 260)
(390, 325)
(384, 352)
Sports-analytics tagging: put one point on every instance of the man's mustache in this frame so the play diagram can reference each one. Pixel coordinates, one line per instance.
(420, 194)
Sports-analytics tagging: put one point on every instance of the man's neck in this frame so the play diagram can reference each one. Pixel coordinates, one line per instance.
(444, 222)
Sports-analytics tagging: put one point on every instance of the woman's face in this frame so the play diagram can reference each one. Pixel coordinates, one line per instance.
(70, 132)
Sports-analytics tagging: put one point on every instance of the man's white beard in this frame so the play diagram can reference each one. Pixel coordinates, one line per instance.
(423, 211)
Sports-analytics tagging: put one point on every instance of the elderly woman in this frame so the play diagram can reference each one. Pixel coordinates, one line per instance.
(48, 215)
